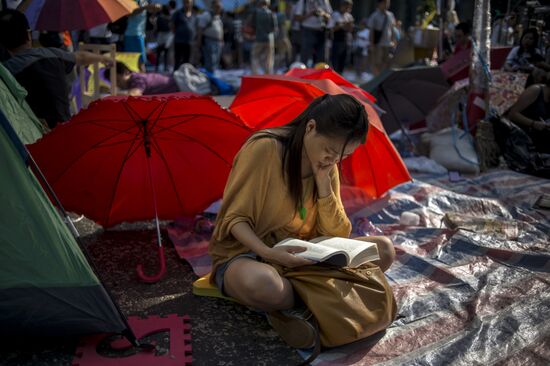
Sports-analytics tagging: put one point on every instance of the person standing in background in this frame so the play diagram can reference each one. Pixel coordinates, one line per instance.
(172, 6)
(341, 24)
(134, 36)
(263, 49)
(164, 37)
(210, 36)
(295, 35)
(382, 38)
(184, 26)
(313, 16)
(451, 17)
(100, 34)
(361, 50)
(283, 47)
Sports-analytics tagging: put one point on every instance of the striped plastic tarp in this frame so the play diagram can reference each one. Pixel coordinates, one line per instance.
(465, 297)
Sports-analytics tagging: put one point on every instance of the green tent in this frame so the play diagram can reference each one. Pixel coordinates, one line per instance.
(17, 111)
(47, 286)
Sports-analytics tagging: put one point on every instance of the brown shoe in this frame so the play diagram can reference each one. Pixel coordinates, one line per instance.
(294, 327)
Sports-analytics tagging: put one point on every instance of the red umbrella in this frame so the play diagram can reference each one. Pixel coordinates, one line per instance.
(63, 15)
(269, 101)
(134, 158)
(330, 74)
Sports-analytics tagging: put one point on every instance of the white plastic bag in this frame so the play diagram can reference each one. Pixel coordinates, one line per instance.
(189, 79)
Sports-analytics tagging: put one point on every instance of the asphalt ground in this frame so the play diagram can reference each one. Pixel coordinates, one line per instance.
(223, 332)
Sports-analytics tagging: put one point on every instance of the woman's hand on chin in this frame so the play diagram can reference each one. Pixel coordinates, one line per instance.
(322, 179)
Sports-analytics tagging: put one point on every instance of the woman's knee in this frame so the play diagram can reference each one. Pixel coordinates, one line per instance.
(258, 285)
(265, 284)
(386, 250)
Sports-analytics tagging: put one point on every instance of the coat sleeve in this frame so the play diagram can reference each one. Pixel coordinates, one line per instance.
(247, 186)
(332, 219)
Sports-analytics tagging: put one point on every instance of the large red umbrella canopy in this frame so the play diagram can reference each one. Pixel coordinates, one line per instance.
(270, 101)
(63, 15)
(330, 74)
(99, 161)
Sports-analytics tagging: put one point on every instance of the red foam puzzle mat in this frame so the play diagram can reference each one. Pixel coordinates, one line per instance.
(179, 352)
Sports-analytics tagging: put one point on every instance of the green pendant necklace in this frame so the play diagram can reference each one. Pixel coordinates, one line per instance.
(303, 213)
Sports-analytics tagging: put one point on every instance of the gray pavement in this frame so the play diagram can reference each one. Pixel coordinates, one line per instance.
(223, 333)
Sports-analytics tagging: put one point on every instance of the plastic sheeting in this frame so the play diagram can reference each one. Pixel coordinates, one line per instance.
(473, 292)
(481, 34)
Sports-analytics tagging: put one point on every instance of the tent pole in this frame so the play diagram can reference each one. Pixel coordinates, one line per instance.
(29, 161)
(128, 332)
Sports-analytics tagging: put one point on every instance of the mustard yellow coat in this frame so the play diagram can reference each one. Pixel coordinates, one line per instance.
(257, 193)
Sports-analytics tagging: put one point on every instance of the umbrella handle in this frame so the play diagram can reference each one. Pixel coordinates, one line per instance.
(162, 271)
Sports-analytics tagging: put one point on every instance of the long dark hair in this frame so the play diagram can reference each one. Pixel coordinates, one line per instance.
(535, 33)
(336, 116)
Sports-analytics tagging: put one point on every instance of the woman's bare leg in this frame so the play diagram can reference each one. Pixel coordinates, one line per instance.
(258, 285)
(385, 250)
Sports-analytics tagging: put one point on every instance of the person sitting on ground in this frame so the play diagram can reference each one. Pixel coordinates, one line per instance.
(531, 112)
(285, 183)
(526, 57)
(186, 78)
(462, 37)
(41, 71)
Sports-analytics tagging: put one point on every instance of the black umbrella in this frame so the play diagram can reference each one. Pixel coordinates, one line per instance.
(407, 95)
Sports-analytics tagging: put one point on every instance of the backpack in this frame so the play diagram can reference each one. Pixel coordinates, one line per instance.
(518, 149)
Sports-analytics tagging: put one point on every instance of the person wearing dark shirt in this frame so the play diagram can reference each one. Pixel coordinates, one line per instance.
(42, 71)
(184, 26)
(531, 112)
(164, 36)
(341, 24)
(265, 25)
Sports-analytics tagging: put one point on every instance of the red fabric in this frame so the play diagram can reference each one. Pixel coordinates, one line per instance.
(269, 101)
(97, 161)
(329, 74)
(457, 67)
(179, 333)
(459, 47)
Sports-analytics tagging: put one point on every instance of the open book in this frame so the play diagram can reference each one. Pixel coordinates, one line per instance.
(341, 252)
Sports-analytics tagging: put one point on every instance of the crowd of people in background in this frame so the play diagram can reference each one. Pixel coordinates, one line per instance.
(268, 37)
(264, 38)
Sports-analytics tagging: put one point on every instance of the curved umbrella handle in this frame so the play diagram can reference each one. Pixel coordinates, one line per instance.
(162, 271)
